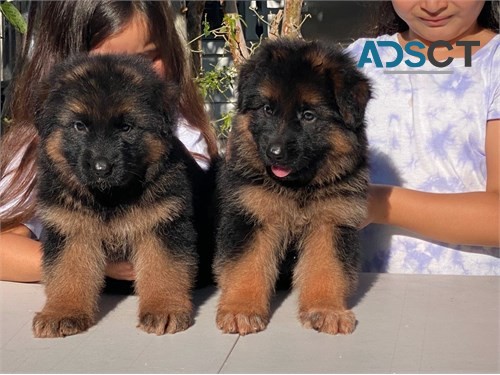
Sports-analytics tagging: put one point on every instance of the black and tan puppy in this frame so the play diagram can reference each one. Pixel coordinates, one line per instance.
(113, 185)
(295, 176)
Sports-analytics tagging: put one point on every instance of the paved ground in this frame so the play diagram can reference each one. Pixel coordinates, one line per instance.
(417, 324)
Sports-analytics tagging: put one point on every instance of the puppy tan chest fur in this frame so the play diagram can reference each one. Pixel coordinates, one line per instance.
(286, 212)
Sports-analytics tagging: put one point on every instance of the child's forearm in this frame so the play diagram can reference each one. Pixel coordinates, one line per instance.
(20, 258)
(462, 218)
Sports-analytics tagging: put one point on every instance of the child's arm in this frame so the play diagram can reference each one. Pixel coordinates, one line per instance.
(20, 256)
(462, 218)
(120, 271)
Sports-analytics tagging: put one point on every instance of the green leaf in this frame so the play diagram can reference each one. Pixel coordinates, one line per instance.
(13, 15)
(206, 27)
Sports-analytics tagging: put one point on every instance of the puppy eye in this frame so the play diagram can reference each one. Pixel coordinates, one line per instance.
(79, 126)
(268, 110)
(308, 116)
(124, 128)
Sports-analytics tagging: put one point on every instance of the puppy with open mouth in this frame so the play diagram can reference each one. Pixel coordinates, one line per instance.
(296, 172)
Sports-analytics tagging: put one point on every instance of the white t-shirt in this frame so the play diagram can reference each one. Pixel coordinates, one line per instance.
(194, 142)
(190, 137)
(427, 132)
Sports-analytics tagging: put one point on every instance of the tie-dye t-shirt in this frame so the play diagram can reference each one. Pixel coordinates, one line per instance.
(427, 132)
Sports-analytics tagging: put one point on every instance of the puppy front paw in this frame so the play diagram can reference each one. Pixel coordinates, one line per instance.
(47, 325)
(160, 323)
(328, 320)
(241, 323)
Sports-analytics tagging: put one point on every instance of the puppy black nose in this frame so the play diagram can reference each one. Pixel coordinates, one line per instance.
(275, 151)
(102, 167)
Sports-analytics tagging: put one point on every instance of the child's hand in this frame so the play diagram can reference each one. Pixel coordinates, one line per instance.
(120, 271)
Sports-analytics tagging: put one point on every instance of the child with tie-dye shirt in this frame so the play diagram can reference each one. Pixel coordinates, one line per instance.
(434, 137)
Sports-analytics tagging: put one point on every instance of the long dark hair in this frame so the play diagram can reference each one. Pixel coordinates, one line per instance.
(56, 30)
(387, 21)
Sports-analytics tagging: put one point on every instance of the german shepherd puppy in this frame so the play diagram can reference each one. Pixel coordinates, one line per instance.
(113, 184)
(295, 176)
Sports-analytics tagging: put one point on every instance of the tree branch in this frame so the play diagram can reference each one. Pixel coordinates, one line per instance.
(292, 19)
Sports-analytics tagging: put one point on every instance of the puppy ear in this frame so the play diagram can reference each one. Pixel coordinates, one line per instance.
(169, 95)
(352, 90)
(42, 91)
(47, 90)
(246, 70)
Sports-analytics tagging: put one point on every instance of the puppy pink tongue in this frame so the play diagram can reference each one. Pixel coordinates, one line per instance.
(280, 171)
